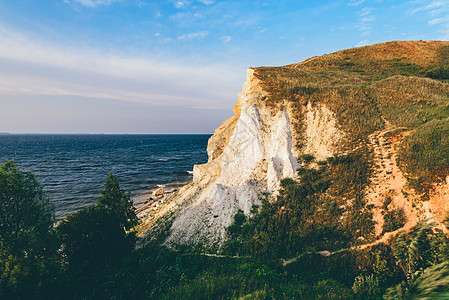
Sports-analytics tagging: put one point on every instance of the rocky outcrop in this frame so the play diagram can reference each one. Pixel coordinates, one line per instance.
(249, 154)
(322, 135)
(321, 107)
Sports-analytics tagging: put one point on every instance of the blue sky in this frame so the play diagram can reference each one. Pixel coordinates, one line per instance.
(141, 66)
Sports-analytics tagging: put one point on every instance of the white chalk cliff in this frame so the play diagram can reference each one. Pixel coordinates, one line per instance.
(248, 155)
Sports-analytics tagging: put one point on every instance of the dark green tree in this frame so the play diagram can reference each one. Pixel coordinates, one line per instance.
(95, 238)
(28, 249)
(118, 202)
(91, 237)
(26, 214)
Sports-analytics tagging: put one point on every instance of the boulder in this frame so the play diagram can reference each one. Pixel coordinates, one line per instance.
(159, 192)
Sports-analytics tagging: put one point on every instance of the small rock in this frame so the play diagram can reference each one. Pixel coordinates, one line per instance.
(159, 192)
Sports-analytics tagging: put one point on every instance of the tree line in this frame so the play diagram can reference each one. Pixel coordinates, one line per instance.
(39, 259)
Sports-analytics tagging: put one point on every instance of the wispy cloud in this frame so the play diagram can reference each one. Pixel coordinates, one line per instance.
(181, 3)
(365, 11)
(355, 2)
(365, 22)
(437, 13)
(362, 43)
(432, 6)
(192, 36)
(93, 3)
(436, 21)
(226, 39)
(33, 67)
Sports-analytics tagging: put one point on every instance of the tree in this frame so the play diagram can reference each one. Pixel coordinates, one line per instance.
(97, 234)
(90, 237)
(94, 238)
(118, 202)
(28, 249)
(26, 214)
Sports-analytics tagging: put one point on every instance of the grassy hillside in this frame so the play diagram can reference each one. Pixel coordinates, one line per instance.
(403, 83)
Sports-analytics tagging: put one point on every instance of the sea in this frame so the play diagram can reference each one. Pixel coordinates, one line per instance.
(73, 168)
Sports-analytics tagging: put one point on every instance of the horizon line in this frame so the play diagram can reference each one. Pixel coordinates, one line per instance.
(101, 133)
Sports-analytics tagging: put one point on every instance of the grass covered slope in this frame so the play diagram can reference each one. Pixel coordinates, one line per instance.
(402, 83)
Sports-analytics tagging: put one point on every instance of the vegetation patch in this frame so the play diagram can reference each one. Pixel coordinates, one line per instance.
(438, 73)
(425, 154)
(308, 215)
(393, 220)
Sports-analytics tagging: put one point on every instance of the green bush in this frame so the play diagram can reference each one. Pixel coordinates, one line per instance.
(366, 285)
(438, 73)
(307, 158)
(393, 220)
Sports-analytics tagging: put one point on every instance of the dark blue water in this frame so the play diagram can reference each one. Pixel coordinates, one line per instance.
(73, 168)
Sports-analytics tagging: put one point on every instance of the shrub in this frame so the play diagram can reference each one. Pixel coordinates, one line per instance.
(438, 73)
(394, 219)
(366, 285)
(307, 158)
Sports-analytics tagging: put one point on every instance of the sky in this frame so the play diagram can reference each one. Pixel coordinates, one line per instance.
(173, 66)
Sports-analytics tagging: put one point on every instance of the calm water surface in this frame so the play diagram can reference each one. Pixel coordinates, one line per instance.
(73, 168)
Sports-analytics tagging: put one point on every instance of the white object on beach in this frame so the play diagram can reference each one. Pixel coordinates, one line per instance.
(159, 192)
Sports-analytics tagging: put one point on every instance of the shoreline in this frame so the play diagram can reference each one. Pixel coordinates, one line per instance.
(151, 199)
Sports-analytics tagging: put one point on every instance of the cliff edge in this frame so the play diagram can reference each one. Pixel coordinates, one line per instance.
(387, 103)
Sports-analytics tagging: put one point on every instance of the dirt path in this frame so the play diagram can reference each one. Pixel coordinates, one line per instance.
(388, 181)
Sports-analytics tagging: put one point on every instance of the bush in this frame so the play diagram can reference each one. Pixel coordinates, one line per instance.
(366, 285)
(393, 220)
(307, 158)
(438, 73)
(90, 237)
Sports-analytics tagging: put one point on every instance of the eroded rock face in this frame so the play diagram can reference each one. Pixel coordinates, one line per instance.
(322, 134)
(249, 154)
(257, 155)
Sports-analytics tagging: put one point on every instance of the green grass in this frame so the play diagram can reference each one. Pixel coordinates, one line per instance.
(425, 154)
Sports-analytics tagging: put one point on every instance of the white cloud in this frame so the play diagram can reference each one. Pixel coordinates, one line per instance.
(355, 2)
(192, 36)
(207, 2)
(362, 43)
(437, 13)
(435, 5)
(226, 39)
(439, 20)
(93, 3)
(365, 21)
(182, 3)
(365, 11)
(368, 19)
(34, 67)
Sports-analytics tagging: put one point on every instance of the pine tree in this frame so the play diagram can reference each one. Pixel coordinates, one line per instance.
(118, 202)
